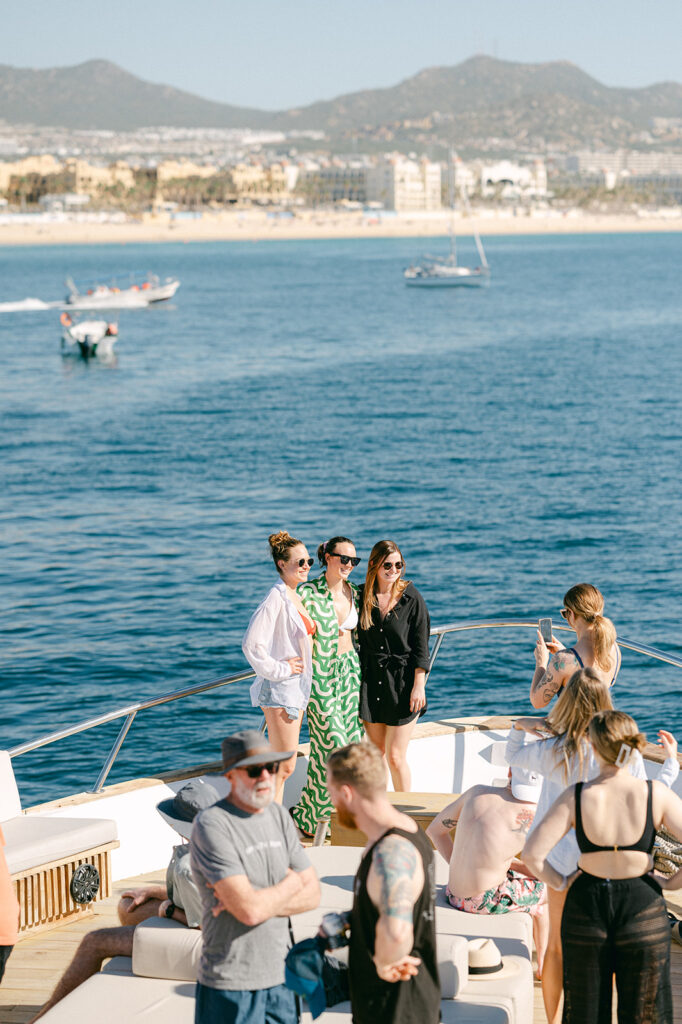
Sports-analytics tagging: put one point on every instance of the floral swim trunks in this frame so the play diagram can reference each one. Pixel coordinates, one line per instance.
(516, 893)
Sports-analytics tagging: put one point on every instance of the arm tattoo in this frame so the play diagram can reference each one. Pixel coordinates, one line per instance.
(551, 685)
(449, 823)
(524, 820)
(395, 862)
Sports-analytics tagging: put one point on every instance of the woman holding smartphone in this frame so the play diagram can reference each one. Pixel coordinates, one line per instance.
(615, 923)
(595, 646)
(278, 647)
(331, 601)
(393, 635)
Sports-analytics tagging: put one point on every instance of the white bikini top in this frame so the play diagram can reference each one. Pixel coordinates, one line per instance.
(351, 619)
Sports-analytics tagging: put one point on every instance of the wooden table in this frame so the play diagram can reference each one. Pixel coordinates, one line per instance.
(422, 807)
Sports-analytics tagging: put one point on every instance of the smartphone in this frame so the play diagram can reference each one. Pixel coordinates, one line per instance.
(545, 627)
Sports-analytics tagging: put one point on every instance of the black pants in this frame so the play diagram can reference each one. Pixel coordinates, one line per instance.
(4, 955)
(616, 928)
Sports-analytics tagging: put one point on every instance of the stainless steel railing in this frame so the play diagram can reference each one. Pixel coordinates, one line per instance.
(129, 711)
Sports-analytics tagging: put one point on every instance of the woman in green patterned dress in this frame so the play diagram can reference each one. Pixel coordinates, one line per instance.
(332, 603)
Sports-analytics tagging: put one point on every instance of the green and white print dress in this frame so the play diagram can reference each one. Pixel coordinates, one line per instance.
(334, 701)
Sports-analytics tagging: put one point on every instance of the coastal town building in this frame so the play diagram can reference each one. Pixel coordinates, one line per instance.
(512, 181)
(335, 181)
(405, 185)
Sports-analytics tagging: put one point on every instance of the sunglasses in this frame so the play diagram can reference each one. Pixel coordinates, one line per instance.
(345, 559)
(254, 771)
(310, 562)
(563, 612)
(390, 566)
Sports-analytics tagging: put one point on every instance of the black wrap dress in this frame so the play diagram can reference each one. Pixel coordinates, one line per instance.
(390, 651)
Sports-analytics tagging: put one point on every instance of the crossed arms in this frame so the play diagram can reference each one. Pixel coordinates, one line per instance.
(298, 891)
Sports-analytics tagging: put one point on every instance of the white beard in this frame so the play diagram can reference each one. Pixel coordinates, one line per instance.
(254, 796)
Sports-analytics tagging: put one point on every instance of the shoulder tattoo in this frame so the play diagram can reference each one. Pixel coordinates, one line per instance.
(395, 862)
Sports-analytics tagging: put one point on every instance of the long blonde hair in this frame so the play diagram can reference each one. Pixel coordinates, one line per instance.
(586, 601)
(584, 695)
(378, 555)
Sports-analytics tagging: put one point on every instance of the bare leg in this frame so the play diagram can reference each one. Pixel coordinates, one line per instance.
(94, 948)
(376, 733)
(150, 908)
(540, 934)
(553, 966)
(397, 741)
(283, 735)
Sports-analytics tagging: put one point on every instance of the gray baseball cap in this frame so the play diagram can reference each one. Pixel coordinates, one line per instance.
(250, 747)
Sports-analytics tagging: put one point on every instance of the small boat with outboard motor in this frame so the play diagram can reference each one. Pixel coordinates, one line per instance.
(88, 338)
(122, 292)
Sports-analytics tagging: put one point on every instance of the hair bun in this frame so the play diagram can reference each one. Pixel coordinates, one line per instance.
(275, 539)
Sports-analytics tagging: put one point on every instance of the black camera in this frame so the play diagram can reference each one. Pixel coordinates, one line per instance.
(334, 929)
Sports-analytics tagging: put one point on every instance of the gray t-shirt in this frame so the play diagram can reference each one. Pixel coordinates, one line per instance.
(263, 846)
(180, 885)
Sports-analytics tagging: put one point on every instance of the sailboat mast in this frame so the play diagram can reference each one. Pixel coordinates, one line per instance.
(451, 199)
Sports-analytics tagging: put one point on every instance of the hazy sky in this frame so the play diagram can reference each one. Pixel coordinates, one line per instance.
(281, 54)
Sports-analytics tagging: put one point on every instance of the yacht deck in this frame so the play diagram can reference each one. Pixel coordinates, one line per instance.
(39, 961)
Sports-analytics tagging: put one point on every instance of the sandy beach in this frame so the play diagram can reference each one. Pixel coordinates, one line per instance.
(257, 225)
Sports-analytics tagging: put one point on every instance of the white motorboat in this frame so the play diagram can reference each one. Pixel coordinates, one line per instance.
(135, 291)
(446, 272)
(88, 338)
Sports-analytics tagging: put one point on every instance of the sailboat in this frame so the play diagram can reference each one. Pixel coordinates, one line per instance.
(439, 272)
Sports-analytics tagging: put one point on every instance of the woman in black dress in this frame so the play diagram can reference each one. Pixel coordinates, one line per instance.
(393, 634)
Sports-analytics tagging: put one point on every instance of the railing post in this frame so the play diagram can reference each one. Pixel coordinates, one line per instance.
(432, 660)
(321, 832)
(113, 753)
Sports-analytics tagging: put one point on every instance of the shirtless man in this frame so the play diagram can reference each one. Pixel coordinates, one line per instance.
(485, 876)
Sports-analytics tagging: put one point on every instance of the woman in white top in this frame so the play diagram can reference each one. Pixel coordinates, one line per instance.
(331, 600)
(278, 646)
(595, 646)
(563, 758)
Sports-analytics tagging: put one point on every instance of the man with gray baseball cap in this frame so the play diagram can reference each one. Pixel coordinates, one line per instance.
(252, 874)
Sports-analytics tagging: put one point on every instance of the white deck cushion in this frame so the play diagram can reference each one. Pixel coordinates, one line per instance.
(166, 949)
(35, 839)
(110, 999)
(10, 804)
(122, 965)
(513, 933)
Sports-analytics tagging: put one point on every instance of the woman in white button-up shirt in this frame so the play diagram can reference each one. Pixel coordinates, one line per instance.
(278, 646)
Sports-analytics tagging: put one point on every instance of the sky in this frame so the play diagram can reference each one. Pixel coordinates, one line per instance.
(277, 55)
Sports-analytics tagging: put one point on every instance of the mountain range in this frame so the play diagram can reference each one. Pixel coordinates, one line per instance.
(482, 97)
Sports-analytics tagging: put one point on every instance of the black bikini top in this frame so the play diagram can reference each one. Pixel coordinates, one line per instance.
(644, 844)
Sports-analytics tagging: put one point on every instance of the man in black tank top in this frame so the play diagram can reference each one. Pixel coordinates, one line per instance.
(392, 957)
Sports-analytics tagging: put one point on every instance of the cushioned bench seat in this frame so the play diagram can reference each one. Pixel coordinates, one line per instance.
(165, 959)
(111, 999)
(34, 839)
(44, 851)
(163, 947)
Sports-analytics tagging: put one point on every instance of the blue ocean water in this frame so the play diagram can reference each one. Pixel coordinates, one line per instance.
(514, 441)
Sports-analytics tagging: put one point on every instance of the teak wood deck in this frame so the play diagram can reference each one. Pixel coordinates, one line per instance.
(38, 961)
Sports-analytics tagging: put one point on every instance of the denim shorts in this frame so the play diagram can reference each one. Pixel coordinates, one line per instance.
(265, 700)
(227, 1006)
